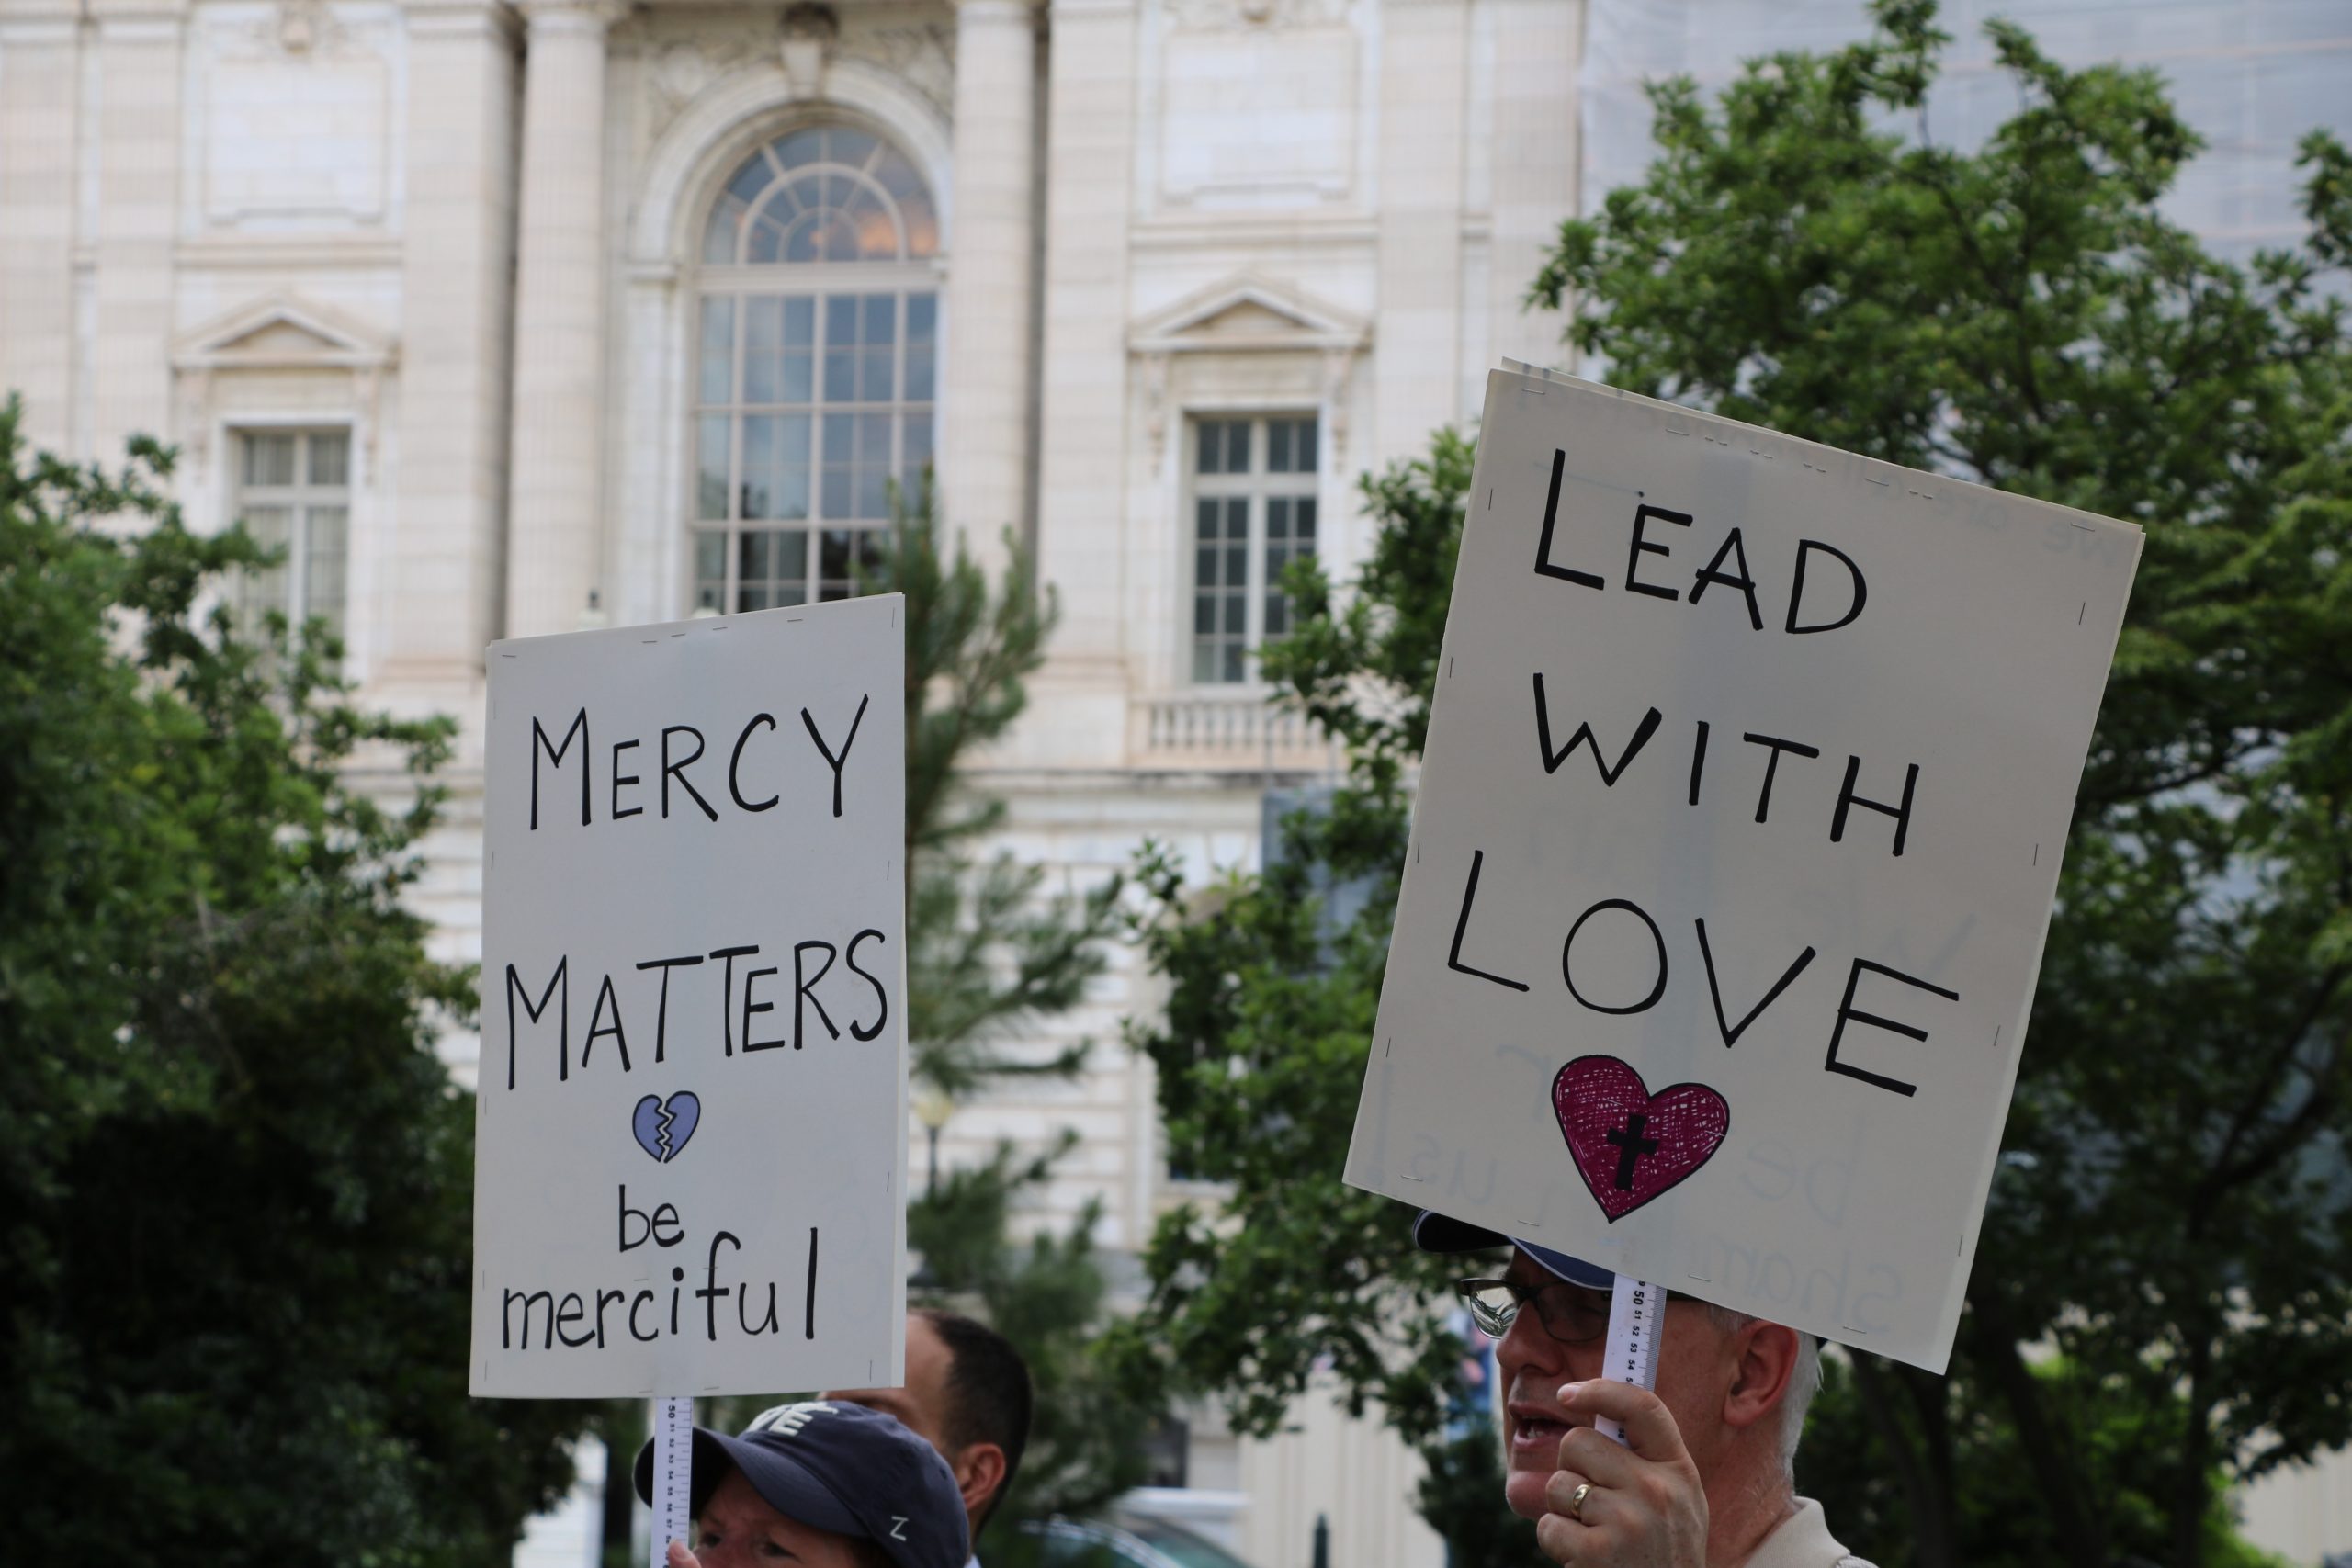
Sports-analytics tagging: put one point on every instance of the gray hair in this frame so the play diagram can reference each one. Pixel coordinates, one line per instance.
(1804, 1381)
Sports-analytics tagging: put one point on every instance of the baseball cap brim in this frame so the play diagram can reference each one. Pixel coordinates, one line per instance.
(780, 1480)
(1433, 1232)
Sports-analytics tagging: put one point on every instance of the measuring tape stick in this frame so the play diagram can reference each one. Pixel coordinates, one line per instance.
(1636, 1309)
(673, 1474)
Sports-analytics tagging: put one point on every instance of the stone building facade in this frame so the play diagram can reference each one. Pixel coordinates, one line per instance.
(517, 318)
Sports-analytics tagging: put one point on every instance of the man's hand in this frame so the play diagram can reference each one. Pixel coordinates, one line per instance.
(1646, 1507)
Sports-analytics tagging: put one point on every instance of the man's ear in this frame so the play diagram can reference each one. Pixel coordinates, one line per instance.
(980, 1472)
(1766, 1357)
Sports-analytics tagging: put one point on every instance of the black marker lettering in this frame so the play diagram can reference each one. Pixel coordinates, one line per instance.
(558, 984)
(750, 1007)
(1462, 924)
(809, 1311)
(620, 779)
(1847, 798)
(1584, 737)
(597, 1027)
(661, 1009)
(727, 991)
(1796, 593)
(636, 1301)
(881, 996)
(603, 1300)
(506, 1316)
(1698, 761)
(1846, 1010)
(1567, 971)
(1642, 547)
(677, 770)
(573, 1310)
(1771, 766)
(1712, 573)
(735, 763)
(1543, 566)
(555, 760)
(832, 762)
(1731, 1032)
(712, 1289)
(801, 982)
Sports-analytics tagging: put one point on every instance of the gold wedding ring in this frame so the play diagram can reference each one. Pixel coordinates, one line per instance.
(1576, 1502)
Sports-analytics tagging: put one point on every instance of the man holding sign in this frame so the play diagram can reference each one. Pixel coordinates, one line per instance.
(1705, 1475)
(1749, 768)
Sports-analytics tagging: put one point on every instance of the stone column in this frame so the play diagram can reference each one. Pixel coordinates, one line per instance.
(984, 446)
(554, 524)
(138, 220)
(1531, 126)
(1082, 693)
(40, 76)
(1417, 343)
(458, 332)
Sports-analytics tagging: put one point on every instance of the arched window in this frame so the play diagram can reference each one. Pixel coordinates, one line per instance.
(818, 360)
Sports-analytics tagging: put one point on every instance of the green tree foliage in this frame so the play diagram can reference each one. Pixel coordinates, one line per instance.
(236, 1181)
(989, 949)
(2174, 1209)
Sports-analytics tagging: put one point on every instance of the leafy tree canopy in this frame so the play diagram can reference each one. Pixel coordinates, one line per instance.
(2173, 1211)
(236, 1181)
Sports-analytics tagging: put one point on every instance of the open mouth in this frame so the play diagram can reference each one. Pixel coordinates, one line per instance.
(1536, 1434)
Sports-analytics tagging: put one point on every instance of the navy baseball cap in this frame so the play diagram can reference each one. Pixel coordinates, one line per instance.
(1433, 1232)
(840, 1468)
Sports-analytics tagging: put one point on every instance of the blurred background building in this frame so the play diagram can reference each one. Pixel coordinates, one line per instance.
(509, 319)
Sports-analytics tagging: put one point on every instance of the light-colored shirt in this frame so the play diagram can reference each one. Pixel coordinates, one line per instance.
(1802, 1540)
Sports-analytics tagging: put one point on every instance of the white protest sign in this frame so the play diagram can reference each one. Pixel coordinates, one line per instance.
(689, 1175)
(1747, 778)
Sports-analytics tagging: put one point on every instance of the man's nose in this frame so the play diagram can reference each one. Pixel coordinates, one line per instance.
(1527, 1345)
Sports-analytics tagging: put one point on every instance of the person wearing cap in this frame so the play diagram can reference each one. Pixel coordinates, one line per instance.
(1705, 1478)
(823, 1485)
(967, 1393)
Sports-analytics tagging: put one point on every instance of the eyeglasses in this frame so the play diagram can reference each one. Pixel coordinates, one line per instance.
(1573, 1314)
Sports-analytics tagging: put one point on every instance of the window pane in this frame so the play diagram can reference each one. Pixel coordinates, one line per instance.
(269, 459)
(801, 147)
(710, 466)
(330, 460)
(922, 330)
(710, 569)
(1278, 445)
(800, 378)
(1303, 447)
(1304, 525)
(323, 566)
(844, 146)
(717, 351)
(763, 343)
(264, 588)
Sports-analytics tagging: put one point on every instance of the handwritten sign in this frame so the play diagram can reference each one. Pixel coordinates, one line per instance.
(692, 1108)
(1747, 779)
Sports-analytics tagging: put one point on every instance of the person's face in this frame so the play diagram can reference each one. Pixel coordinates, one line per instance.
(921, 1408)
(738, 1529)
(1534, 1364)
(921, 1405)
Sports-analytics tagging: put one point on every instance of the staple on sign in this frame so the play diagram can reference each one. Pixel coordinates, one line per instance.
(649, 641)
(1408, 1176)
(510, 656)
(2037, 855)
(1490, 498)
(2081, 613)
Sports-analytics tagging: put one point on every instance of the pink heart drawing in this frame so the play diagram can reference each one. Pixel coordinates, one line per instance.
(1630, 1145)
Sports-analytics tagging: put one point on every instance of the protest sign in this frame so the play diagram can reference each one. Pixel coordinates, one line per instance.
(1747, 778)
(689, 1175)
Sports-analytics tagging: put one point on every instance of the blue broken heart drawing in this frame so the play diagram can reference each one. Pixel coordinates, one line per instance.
(662, 1129)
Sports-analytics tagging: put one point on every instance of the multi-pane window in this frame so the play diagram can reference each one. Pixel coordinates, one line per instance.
(294, 495)
(1253, 514)
(819, 343)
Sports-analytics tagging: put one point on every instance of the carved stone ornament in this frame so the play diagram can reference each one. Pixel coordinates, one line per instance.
(810, 31)
(1224, 16)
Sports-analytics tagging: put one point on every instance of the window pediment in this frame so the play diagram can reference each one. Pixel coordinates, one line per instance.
(1249, 313)
(283, 331)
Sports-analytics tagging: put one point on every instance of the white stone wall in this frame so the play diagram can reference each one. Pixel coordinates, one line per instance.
(466, 230)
